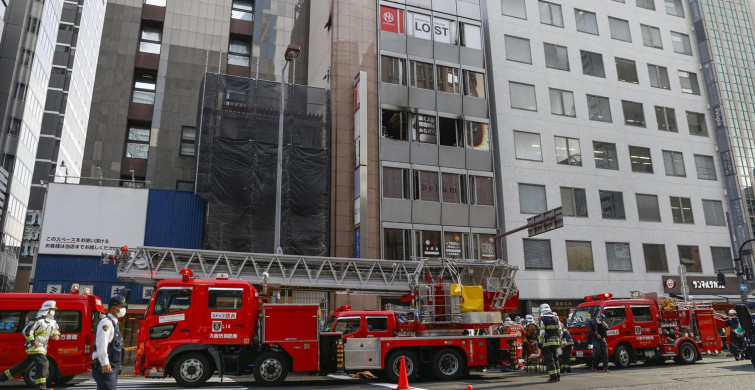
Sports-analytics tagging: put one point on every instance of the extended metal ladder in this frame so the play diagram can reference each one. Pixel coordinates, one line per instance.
(149, 264)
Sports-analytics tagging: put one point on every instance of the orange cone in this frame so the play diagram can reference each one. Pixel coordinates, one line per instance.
(403, 379)
(469, 387)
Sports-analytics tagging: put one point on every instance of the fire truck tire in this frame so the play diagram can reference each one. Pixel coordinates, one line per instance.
(270, 369)
(448, 364)
(622, 357)
(393, 365)
(192, 369)
(687, 353)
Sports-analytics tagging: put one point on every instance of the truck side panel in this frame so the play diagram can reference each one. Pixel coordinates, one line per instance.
(295, 329)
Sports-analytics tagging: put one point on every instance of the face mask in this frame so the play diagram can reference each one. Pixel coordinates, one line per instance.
(121, 312)
(50, 313)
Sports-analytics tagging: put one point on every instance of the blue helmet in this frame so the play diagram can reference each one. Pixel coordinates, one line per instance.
(601, 316)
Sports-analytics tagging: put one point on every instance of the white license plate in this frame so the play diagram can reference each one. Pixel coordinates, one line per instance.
(580, 354)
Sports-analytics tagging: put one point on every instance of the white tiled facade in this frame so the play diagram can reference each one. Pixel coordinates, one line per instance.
(559, 282)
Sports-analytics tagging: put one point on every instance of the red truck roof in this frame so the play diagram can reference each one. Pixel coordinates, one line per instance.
(41, 297)
(627, 301)
(361, 313)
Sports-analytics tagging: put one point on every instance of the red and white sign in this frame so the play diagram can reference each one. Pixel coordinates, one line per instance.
(391, 19)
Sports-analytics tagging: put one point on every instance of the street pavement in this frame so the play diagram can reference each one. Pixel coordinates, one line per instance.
(714, 373)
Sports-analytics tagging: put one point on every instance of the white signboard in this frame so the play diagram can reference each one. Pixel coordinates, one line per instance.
(89, 220)
(172, 318)
(54, 288)
(420, 26)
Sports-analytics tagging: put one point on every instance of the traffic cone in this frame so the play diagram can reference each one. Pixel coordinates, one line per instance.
(403, 379)
(469, 387)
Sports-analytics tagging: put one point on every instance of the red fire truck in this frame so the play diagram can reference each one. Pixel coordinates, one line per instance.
(646, 328)
(196, 327)
(77, 317)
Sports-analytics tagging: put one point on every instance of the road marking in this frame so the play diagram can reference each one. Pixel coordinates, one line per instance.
(348, 378)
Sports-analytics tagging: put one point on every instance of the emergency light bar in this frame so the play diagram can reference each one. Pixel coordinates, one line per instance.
(186, 274)
(599, 297)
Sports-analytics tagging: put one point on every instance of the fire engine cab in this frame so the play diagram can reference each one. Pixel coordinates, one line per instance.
(646, 328)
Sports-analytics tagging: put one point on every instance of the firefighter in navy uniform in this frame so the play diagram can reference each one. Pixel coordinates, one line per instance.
(37, 333)
(108, 346)
(550, 340)
(567, 342)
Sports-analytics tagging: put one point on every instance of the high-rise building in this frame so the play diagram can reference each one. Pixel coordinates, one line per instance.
(601, 109)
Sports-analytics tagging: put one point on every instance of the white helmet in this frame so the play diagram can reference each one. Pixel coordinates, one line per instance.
(46, 307)
(545, 308)
(732, 312)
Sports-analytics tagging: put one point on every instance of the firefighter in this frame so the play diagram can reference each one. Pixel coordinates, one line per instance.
(567, 342)
(736, 341)
(108, 346)
(550, 339)
(37, 333)
(597, 331)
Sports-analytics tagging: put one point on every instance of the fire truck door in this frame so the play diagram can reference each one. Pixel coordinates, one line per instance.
(645, 326)
(227, 321)
(170, 323)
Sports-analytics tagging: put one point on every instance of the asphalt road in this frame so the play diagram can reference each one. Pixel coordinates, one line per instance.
(709, 373)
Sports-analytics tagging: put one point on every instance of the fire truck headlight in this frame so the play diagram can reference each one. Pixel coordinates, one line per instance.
(589, 346)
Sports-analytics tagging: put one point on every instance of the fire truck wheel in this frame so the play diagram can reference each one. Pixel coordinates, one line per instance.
(393, 365)
(270, 369)
(621, 356)
(191, 370)
(687, 354)
(447, 364)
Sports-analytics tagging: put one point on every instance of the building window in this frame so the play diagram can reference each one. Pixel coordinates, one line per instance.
(394, 124)
(592, 64)
(681, 43)
(396, 183)
(647, 4)
(714, 213)
(706, 170)
(562, 102)
(33, 26)
(674, 163)
(681, 210)
(397, 244)
(522, 96)
(242, 10)
(655, 257)
(144, 89)
(392, 70)
(28, 57)
(599, 108)
(573, 202)
(605, 155)
(238, 53)
(568, 151)
(483, 246)
(445, 32)
(579, 256)
(586, 21)
(556, 57)
(696, 123)
(188, 140)
(619, 257)
(186, 186)
(688, 81)
(640, 159)
(626, 70)
(612, 204)
(448, 79)
(428, 243)
(722, 261)
(20, 92)
(675, 8)
(426, 186)
(647, 208)
(474, 84)
(421, 75)
(471, 36)
(537, 254)
(481, 190)
(455, 245)
(419, 25)
(157, 3)
(14, 127)
(138, 143)
(451, 132)
(666, 118)
(619, 29)
(478, 136)
(454, 188)
(651, 36)
(689, 255)
(550, 13)
(633, 113)
(527, 146)
(518, 49)
(658, 77)
(532, 199)
(423, 128)
(149, 41)
(515, 8)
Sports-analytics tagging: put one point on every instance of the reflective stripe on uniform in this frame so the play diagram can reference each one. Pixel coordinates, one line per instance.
(40, 380)
(551, 343)
(8, 374)
(551, 326)
(553, 372)
(33, 351)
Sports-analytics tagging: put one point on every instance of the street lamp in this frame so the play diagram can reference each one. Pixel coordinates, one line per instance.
(291, 53)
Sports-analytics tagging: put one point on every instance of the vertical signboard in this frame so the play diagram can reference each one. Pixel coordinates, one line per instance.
(360, 162)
